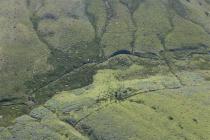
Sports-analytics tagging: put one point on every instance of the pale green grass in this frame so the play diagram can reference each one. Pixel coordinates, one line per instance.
(187, 34)
(22, 52)
(106, 85)
(97, 15)
(118, 35)
(152, 18)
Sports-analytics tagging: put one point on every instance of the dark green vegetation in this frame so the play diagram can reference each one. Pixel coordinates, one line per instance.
(122, 69)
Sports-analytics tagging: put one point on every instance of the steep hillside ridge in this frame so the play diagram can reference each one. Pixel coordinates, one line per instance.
(22, 55)
(50, 46)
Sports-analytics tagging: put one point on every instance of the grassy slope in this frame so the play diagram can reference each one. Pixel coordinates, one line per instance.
(22, 55)
(138, 107)
(22, 52)
(64, 30)
(118, 32)
(62, 39)
(124, 103)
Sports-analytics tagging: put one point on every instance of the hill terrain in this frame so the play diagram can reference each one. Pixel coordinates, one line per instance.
(104, 69)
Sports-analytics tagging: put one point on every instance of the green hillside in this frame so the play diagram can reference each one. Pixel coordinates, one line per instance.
(104, 69)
